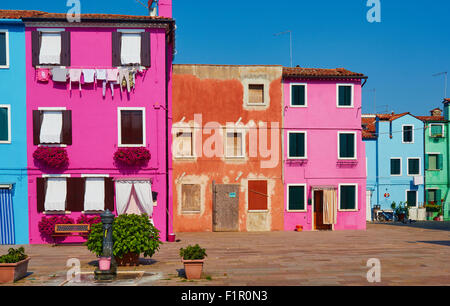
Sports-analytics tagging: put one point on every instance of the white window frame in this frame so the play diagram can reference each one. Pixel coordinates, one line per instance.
(184, 130)
(352, 96)
(417, 197)
(246, 84)
(8, 107)
(420, 167)
(7, 48)
(339, 145)
(190, 212)
(306, 95)
(305, 198)
(356, 196)
(306, 145)
(243, 150)
(442, 126)
(119, 127)
(403, 133)
(401, 166)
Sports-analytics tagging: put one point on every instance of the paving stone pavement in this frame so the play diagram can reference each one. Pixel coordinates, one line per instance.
(417, 254)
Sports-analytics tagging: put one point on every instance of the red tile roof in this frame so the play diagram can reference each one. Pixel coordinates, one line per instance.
(300, 72)
(391, 117)
(19, 14)
(431, 118)
(369, 128)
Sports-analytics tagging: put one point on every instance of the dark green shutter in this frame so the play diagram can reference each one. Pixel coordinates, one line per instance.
(395, 167)
(411, 198)
(4, 133)
(3, 48)
(427, 161)
(348, 197)
(438, 196)
(298, 95)
(296, 197)
(345, 95)
(297, 145)
(440, 162)
(346, 145)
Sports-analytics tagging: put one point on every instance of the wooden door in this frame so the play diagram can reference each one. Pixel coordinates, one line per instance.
(226, 208)
(318, 212)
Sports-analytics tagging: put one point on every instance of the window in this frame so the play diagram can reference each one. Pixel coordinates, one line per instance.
(408, 134)
(88, 193)
(413, 166)
(52, 126)
(297, 145)
(347, 145)
(411, 198)
(434, 196)
(297, 197)
(348, 197)
(436, 130)
(396, 166)
(256, 94)
(190, 198)
(257, 195)
(345, 95)
(298, 95)
(94, 194)
(131, 47)
(56, 193)
(4, 49)
(184, 144)
(51, 47)
(234, 144)
(131, 127)
(5, 124)
(434, 161)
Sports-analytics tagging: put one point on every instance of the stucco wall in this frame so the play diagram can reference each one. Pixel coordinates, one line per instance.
(322, 120)
(13, 161)
(94, 118)
(217, 93)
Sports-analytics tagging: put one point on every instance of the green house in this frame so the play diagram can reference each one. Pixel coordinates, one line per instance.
(436, 159)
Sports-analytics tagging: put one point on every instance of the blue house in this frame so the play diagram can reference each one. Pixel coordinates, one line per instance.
(13, 161)
(395, 155)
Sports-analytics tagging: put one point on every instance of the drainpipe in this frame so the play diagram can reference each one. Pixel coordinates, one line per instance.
(167, 138)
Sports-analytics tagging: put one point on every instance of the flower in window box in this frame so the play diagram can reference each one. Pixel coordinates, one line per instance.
(55, 158)
(132, 157)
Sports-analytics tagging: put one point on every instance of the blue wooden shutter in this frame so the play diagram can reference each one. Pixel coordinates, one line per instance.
(7, 233)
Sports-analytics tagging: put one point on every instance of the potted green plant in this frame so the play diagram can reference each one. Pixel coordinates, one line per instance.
(133, 235)
(193, 260)
(14, 265)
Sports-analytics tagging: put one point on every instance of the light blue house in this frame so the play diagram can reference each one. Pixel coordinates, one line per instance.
(395, 157)
(13, 153)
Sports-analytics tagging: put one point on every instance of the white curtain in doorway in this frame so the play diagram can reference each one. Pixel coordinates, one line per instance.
(330, 206)
(123, 193)
(144, 193)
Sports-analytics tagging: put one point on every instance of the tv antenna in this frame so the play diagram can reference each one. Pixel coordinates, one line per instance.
(290, 41)
(445, 81)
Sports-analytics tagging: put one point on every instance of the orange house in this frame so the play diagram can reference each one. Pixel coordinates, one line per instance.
(227, 153)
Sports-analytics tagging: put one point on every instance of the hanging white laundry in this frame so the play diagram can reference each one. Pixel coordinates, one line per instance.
(51, 127)
(75, 76)
(94, 196)
(55, 197)
(50, 52)
(89, 75)
(131, 48)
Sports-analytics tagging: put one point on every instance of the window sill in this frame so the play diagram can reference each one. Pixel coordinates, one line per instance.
(4, 67)
(53, 145)
(190, 158)
(190, 212)
(92, 212)
(5, 142)
(258, 211)
(132, 146)
(348, 210)
(296, 211)
(57, 212)
(235, 157)
(344, 106)
(298, 106)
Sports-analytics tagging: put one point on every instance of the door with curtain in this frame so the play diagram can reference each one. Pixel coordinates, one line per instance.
(319, 212)
(7, 230)
(134, 197)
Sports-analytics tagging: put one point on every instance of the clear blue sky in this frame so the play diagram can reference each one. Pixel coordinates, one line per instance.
(399, 55)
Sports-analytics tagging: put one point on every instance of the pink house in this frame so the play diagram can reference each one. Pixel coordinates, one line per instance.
(324, 156)
(94, 88)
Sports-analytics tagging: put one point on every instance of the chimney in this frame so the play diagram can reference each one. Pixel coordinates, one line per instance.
(436, 112)
(152, 7)
(165, 8)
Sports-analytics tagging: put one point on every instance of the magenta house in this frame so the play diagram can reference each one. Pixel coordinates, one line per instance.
(324, 156)
(98, 116)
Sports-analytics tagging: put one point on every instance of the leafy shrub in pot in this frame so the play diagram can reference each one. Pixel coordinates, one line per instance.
(132, 235)
(193, 259)
(14, 265)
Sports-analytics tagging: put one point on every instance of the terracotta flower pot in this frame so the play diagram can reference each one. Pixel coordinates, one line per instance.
(193, 268)
(129, 259)
(11, 272)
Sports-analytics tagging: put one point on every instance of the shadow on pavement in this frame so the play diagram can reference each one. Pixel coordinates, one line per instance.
(432, 225)
(445, 243)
